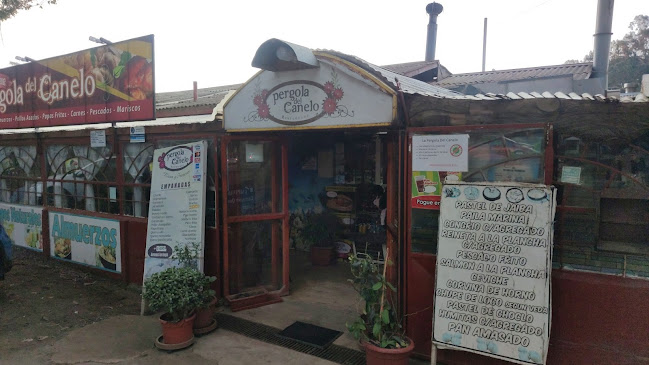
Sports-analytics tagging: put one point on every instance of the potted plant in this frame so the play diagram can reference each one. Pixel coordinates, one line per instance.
(187, 256)
(378, 327)
(178, 292)
(319, 230)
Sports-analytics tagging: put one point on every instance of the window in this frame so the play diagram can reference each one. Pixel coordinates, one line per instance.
(503, 154)
(603, 213)
(20, 174)
(82, 177)
(137, 178)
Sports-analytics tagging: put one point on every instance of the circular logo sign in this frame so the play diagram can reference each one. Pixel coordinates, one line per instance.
(456, 150)
(177, 158)
(296, 102)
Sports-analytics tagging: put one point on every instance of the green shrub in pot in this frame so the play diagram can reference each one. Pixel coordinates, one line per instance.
(177, 291)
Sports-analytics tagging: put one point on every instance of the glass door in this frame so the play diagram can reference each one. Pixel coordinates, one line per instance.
(255, 212)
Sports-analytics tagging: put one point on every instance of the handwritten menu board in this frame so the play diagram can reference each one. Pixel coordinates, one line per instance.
(492, 292)
(176, 206)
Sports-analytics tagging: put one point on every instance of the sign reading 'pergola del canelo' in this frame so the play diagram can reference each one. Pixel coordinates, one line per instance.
(110, 83)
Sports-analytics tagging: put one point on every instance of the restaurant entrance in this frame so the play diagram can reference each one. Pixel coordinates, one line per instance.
(255, 215)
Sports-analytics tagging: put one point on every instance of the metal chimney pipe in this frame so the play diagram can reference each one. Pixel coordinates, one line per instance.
(602, 42)
(195, 91)
(433, 10)
(484, 45)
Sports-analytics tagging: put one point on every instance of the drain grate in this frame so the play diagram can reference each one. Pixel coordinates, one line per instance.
(268, 334)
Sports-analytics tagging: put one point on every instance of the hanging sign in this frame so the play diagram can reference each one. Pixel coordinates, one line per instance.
(86, 240)
(494, 260)
(23, 225)
(177, 205)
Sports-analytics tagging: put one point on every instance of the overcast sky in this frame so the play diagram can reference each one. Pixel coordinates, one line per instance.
(213, 42)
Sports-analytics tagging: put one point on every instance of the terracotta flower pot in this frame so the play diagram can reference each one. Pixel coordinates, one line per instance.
(177, 332)
(321, 256)
(375, 355)
(205, 315)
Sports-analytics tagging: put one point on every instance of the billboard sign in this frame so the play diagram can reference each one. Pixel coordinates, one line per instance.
(86, 240)
(23, 225)
(494, 260)
(111, 83)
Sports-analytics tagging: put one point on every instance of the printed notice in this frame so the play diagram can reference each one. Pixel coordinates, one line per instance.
(446, 152)
(492, 290)
(176, 207)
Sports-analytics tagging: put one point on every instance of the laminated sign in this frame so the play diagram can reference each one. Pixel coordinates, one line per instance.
(494, 260)
(177, 205)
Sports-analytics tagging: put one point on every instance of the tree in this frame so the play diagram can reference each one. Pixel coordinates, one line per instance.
(9, 8)
(629, 56)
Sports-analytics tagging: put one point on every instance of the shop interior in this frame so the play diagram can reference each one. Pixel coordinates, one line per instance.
(337, 203)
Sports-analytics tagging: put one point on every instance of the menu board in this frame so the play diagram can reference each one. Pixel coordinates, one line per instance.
(23, 225)
(494, 260)
(176, 206)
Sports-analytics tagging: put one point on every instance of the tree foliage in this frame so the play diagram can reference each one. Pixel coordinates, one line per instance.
(629, 56)
(9, 8)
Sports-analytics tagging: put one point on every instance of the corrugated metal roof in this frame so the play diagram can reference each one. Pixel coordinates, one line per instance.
(579, 71)
(411, 69)
(406, 84)
(185, 99)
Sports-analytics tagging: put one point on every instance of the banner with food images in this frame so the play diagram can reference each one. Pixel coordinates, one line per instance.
(177, 206)
(23, 225)
(494, 265)
(86, 240)
(110, 83)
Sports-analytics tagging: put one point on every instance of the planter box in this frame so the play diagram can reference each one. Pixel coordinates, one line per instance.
(252, 299)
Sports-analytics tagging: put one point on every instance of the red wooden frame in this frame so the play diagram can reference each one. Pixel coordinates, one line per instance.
(274, 216)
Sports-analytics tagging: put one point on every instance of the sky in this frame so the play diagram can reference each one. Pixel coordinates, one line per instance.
(214, 42)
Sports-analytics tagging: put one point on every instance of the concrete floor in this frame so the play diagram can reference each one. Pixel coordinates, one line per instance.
(320, 295)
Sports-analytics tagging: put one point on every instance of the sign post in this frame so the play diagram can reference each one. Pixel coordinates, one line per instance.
(494, 260)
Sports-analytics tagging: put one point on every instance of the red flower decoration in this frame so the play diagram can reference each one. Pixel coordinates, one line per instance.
(264, 94)
(338, 94)
(258, 100)
(263, 111)
(161, 161)
(329, 106)
(328, 87)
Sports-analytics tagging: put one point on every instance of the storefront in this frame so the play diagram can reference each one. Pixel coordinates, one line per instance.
(327, 134)
(313, 135)
(595, 153)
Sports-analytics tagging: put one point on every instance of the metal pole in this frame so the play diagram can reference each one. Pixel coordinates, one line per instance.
(484, 45)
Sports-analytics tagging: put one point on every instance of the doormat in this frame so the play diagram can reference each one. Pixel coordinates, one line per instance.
(334, 353)
(310, 334)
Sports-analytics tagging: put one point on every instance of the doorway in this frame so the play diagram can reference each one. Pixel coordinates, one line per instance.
(255, 213)
(329, 174)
